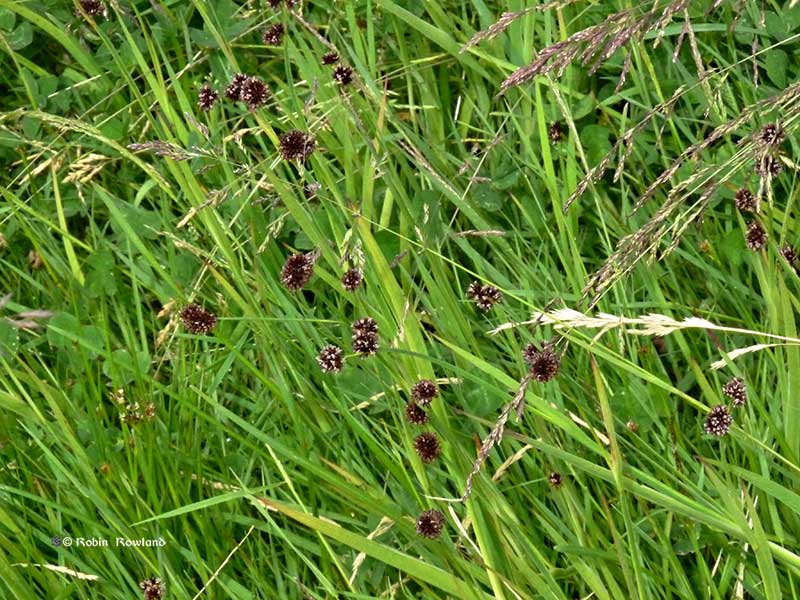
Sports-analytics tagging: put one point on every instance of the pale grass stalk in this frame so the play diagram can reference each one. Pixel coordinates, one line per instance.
(224, 562)
(59, 569)
(384, 526)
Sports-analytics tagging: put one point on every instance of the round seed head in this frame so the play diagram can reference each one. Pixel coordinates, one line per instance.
(152, 588)
(273, 35)
(543, 364)
(233, 90)
(297, 145)
(424, 391)
(756, 237)
(365, 344)
(473, 289)
(745, 200)
(415, 414)
(789, 254)
(556, 132)
(736, 390)
(488, 297)
(297, 270)
(352, 279)
(343, 75)
(430, 524)
(331, 359)
(93, 8)
(207, 98)
(771, 135)
(364, 326)
(555, 479)
(197, 319)
(427, 446)
(768, 166)
(718, 421)
(255, 92)
(329, 58)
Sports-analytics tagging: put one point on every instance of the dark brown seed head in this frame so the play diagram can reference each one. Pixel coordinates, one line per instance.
(233, 90)
(331, 359)
(556, 132)
(352, 279)
(771, 135)
(473, 289)
(719, 420)
(415, 414)
(152, 589)
(207, 98)
(365, 344)
(736, 390)
(424, 391)
(274, 3)
(745, 200)
(197, 319)
(756, 237)
(297, 145)
(488, 297)
(543, 364)
(555, 479)
(343, 75)
(768, 166)
(297, 270)
(329, 58)
(789, 254)
(255, 92)
(364, 326)
(273, 35)
(427, 446)
(93, 8)
(430, 524)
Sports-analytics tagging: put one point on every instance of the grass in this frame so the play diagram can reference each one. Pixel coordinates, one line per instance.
(260, 476)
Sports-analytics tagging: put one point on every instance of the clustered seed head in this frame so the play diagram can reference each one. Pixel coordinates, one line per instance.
(745, 200)
(297, 145)
(274, 3)
(424, 391)
(342, 74)
(736, 390)
(298, 269)
(430, 524)
(234, 89)
(255, 92)
(485, 296)
(133, 413)
(352, 279)
(555, 479)
(544, 364)
(427, 446)
(273, 35)
(93, 8)
(789, 254)
(207, 98)
(329, 58)
(768, 166)
(772, 134)
(555, 132)
(415, 414)
(718, 422)
(152, 588)
(364, 326)
(756, 237)
(331, 359)
(365, 336)
(197, 319)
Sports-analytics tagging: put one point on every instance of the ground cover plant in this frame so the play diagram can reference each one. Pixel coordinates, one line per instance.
(399, 299)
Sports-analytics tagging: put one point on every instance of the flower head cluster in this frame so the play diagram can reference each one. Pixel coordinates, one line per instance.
(298, 269)
(254, 92)
(342, 74)
(415, 414)
(756, 237)
(427, 446)
(484, 296)
(329, 58)
(555, 132)
(424, 391)
(771, 135)
(718, 421)
(555, 479)
(233, 91)
(207, 98)
(543, 364)
(93, 8)
(331, 359)
(365, 336)
(352, 279)
(430, 524)
(745, 200)
(736, 390)
(768, 166)
(197, 319)
(297, 145)
(152, 588)
(273, 35)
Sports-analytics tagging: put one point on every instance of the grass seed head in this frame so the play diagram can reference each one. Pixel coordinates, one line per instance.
(745, 200)
(736, 390)
(427, 446)
(152, 588)
(329, 58)
(718, 421)
(297, 145)
(352, 279)
(297, 270)
(197, 319)
(331, 359)
(430, 524)
(424, 391)
(415, 414)
(233, 90)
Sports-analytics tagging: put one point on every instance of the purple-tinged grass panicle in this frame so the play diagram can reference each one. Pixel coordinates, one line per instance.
(424, 391)
(736, 390)
(197, 319)
(298, 269)
(427, 446)
(430, 524)
(718, 421)
(331, 359)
